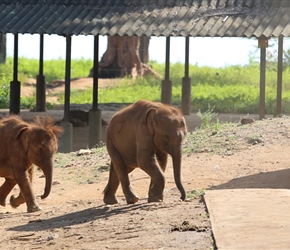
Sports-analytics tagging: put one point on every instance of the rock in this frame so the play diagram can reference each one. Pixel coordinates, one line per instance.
(84, 152)
(247, 121)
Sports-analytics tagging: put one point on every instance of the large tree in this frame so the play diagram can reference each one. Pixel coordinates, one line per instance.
(125, 56)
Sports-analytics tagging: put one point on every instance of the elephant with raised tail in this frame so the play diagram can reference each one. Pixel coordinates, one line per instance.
(142, 135)
(23, 145)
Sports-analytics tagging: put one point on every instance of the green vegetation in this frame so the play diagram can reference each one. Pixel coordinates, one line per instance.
(207, 117)
(234, 89)
(4, 90)
(53, 69)
(195, 194)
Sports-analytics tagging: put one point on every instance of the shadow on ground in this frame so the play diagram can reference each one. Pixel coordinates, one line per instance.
(279, 179)
(80, 217)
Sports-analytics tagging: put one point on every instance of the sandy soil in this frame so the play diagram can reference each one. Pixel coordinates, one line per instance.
(74, 216)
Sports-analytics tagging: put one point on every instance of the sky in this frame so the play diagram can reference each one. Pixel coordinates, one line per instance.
(213, 52)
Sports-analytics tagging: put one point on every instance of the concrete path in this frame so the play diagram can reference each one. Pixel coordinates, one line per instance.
(250, 219)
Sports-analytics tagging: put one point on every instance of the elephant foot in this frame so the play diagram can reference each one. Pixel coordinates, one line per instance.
(152, 198)
(155, 200)
(33, 208)
(132, 200)
(13, 202)
(17, 201)
(2, 203)
(110, 199)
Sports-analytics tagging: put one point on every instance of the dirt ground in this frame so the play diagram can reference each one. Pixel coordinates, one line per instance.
(57, 86)
(74, 216)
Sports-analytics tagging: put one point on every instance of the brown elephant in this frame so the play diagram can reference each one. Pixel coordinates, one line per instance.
(142, 135)
(24, 145)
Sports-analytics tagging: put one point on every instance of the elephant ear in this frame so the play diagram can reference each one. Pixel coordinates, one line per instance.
(21, 135)
(19, 132)
(150, 120)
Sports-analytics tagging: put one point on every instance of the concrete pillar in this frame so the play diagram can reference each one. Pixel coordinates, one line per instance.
(186, 83)
(186, 95)
(15, 97)
(95, 127)
(40, 93)
(66, 139)
(166, 85)
(279, 76)
(166, 91)
(40, 81)
(15, 84)
(263, 44)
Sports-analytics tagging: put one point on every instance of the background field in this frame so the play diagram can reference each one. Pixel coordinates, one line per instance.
(233, 89)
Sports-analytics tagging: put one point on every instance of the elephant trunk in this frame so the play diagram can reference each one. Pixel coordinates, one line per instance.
(47, 170)
(176, 159)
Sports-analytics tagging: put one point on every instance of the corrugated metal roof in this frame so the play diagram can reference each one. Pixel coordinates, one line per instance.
(205, 18)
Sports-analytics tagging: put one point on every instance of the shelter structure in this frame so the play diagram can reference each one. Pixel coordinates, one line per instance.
(260, 19)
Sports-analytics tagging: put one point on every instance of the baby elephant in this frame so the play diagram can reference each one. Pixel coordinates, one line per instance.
(142, 135)
(23, 145)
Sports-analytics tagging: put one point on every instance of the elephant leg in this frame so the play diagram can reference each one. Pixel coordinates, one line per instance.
(16, 201)
(119, 174)
(123, 172)
(162, 159)
(26, 194)
(111, 188)
(157, 183)
(5, 189)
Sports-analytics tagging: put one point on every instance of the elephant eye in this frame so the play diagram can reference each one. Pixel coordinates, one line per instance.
(166, 137)
(40, 151)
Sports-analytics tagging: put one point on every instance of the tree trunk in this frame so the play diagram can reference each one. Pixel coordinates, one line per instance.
(121, 58)
(125, 56)
(144, 49)
(2, 48)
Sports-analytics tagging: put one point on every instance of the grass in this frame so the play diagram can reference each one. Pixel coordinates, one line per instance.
(233, 89)
(195, 194)
(211, 140)
(214, 137)
(126, 91)
(207, 117)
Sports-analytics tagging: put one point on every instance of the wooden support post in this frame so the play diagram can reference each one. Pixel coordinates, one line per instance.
(96, 73)
(65, 145)
(186, 83)
(15, 84)
(166, 87)
(95, 114)
(279, 76)
(40, 81)
(2, 48)
(67, 79)
(263, 44)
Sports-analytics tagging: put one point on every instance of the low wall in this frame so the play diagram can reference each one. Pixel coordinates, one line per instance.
(80, 134)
